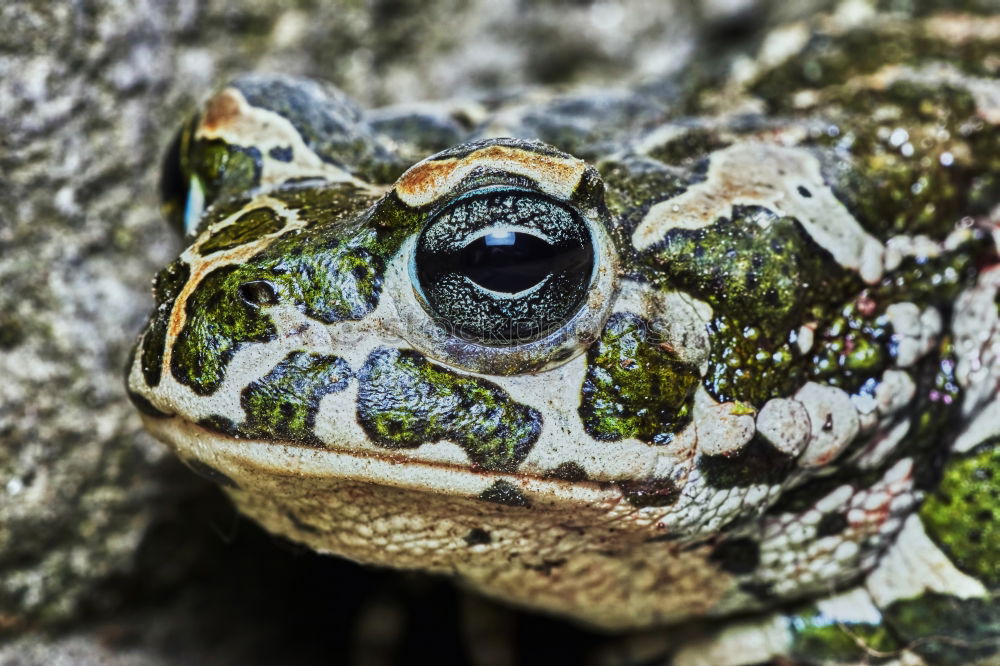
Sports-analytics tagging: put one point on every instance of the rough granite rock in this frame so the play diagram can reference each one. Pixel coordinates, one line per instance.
(95, 517)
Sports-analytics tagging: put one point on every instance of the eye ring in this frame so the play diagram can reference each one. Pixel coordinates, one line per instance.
(535, 343)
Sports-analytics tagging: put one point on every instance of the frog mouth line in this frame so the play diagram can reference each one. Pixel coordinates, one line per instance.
(250, 463)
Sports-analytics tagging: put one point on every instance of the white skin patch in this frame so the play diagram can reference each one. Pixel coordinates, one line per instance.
(786, 180)
(976, 329)
(720, 430)
(833, 420)
(895, 392)
(784, 423)
(914, 565)
(746, 642)
(985, 425)
(898, 248)
(915, 332)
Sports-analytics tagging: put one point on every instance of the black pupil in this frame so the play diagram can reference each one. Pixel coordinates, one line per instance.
(508, 261)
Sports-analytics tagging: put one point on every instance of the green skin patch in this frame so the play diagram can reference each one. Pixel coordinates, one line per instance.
(331, 273)
(404, 401)
(634, 386)
(962, 515)
(283, 404)
(247, 228)
(323, 203)
(222, 169)
(929, 159)
(751, 269)
(929, 163)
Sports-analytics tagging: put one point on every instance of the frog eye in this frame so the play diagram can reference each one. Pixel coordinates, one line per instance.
(503, 266)
(258, 293)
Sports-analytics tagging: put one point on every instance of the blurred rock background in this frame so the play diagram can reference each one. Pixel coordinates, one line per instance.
(110, 551)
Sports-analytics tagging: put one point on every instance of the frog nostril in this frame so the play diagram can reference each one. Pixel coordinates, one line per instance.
(258, 293)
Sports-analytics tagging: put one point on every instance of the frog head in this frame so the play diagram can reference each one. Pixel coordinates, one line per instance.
(400, 362)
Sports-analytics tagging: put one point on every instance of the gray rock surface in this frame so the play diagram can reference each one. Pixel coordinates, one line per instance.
(96, 519)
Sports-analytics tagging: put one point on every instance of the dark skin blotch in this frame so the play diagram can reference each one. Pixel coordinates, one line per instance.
(504, 492)
(738, 556)
(478, 537)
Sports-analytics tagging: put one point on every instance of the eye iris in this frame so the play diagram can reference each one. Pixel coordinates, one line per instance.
(506, 266)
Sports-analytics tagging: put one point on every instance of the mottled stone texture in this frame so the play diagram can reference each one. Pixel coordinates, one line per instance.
(89, 92)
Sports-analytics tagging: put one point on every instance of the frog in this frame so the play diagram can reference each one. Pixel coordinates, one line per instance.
(632, 358)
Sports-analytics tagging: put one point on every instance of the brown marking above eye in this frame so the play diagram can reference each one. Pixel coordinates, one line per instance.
(434, 178)
(220, 111)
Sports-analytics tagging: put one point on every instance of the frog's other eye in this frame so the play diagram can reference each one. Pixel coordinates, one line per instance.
(258, 293)
(504, 266)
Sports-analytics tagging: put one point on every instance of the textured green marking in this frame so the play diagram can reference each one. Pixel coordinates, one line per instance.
(168, 284)
(911, 157)
(331, 272)
(754, 262)
(246, 228)
(635, 387)
(817, 638)
(962, 515)
(283, 404)
(405, 401)
(633, 185)
(928, 163)
(218, 321)
(946, 630)
(764, 277)
(323, 203)
(688, 146)
(224, 170)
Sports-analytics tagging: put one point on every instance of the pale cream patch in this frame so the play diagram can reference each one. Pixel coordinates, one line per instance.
(985, 425)
(433, 179)
(976, 330)
(721, 428)
(760, 174)
(784, 423)
(914, 565)
(915, 331)
(833, 421)
(744, 642)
